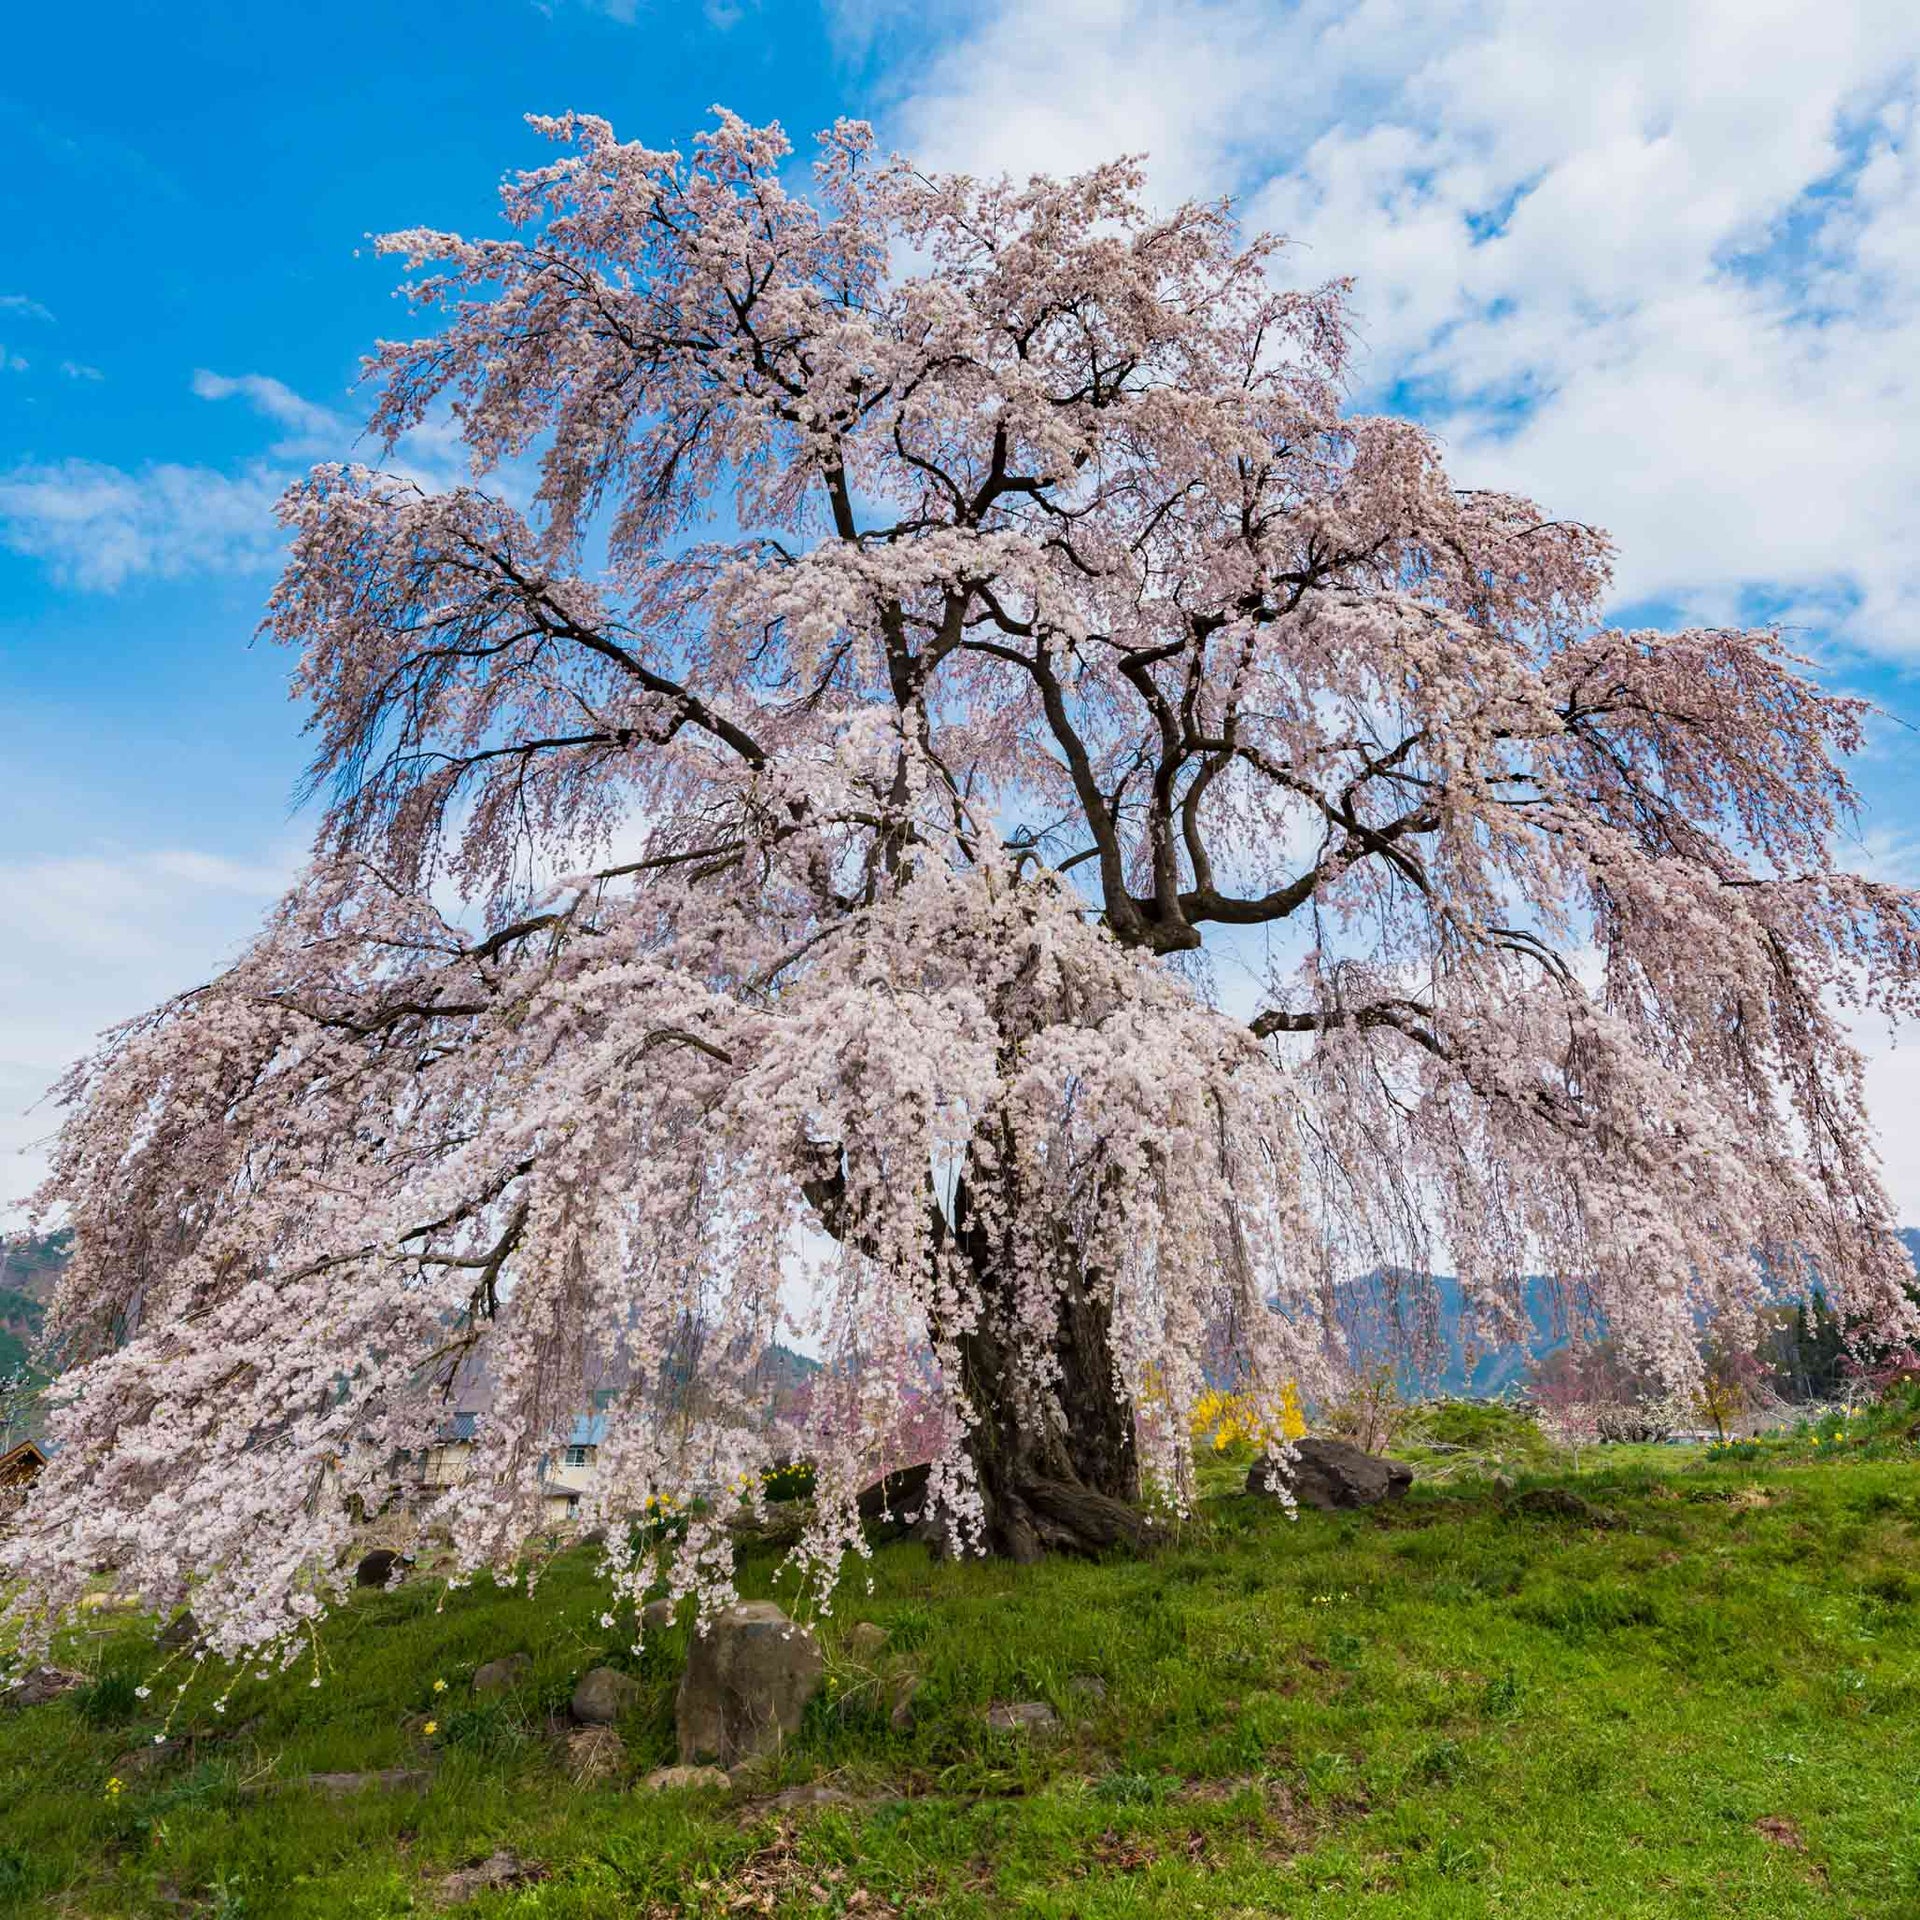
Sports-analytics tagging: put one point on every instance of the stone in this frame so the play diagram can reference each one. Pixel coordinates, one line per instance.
(1502, 1483)
(596, 1538)
(502, 1676)
(382, 1780)
(602, 1697)
(1088, 1686)
(1329, 1474)
(179, 1633)
(594, 1754)
(656, 1615)
(1021, 1716)
(796, 1799)
(37, 1686)
(748, 1680)
(865, 1639)
(376, 1569)
(687, 1780)
(491, 1875)
(139, 1761)
(900, 1696)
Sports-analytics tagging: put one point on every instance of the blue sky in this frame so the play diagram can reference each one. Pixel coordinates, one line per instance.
(1657, 264)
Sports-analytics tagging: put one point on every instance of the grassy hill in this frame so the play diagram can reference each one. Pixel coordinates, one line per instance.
(1699, 1700)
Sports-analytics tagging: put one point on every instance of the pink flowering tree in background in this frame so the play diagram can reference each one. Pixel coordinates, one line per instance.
(966, 805)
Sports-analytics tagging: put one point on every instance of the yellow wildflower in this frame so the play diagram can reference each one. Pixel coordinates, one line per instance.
(439, 1686)
(432, 1726)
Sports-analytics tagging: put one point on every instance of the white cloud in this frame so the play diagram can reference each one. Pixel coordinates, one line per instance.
(12, 362)
(1656, 262)
(25, 308)
(79, 370)
(313, 430)
(96, 526)
(91, 939)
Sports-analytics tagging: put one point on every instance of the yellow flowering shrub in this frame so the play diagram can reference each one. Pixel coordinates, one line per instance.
(1226, 1420)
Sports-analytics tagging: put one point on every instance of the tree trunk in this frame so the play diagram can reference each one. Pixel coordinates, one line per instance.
(1062, 1479)
(1065, 1481)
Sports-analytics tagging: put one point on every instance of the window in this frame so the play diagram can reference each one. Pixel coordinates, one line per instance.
(578, 1456)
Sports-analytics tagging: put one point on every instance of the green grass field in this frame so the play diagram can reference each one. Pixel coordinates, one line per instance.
(1709, 1705)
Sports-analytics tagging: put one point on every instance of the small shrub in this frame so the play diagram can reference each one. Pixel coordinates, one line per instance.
(109, 1701)
(1442, 1763)
(1137, 1789)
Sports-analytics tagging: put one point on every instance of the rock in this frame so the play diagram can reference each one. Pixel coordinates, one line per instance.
(376, 1569)
(687, 1780)
(900, 1714)
(656, 1615)
(865, 1639)
(137, 1761)
(596, 1538)
(384, 1780)
(796, 1798)
(1088, 1686)
(1502, 1483)
(602, 1697)
(748, 1681)
(594, 1754)
(179, 1633)
(497, 1871)
(502, 1676)
(38, 1685)
(1021, 1716)
(1330, 1473)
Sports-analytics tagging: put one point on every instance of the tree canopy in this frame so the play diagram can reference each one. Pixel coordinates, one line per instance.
(937, 784)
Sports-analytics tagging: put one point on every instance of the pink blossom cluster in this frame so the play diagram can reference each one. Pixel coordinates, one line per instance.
(774, 886)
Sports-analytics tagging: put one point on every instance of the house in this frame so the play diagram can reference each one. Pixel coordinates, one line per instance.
(20, 1466)
(448, 1459)
(570, 1474)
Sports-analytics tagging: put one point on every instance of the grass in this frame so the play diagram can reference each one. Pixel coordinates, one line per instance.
(1703, 1705)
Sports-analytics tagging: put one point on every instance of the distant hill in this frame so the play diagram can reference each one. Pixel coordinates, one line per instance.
(30, 1263)
(1383, 1317)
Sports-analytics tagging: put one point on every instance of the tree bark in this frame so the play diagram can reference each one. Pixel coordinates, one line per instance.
(1055, 1475)
(1052, 1480)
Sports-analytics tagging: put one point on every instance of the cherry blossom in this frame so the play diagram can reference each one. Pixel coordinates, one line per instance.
(787, 881)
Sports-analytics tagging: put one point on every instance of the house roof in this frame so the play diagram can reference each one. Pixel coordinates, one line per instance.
(17, 1462)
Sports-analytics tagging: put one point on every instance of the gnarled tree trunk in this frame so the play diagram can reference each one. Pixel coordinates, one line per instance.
(1059, 1477)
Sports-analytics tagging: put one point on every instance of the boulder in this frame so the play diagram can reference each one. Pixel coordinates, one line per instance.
(37, 1686)
(502, 1676)
(1331, 1473)
(1089, 1687)
(865, 1639)
(686, 1780)
(900, 1702)
(497, 1871)
(656, 1615)
(1021, 1716)
(594, 1754)
(602, 1697)
(748, 1681)
(179, 1633)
